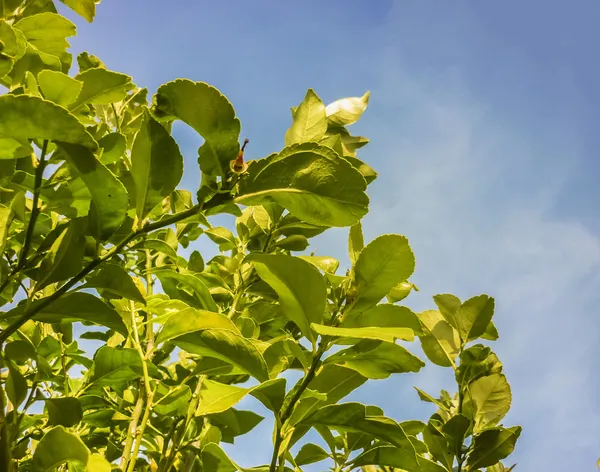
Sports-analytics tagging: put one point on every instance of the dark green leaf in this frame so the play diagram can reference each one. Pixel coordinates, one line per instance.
(310, 453)
(113, 147)
(455, 431)
(474, 316)
(270, 393)
(203, 298)
(299, 285)
(400, 458)
(115, 280)
(156, 165)
(346, 111)
(383, 263)
(310, 121)
(72, 307)
(109, 197)
(58, 447)
(366, 171)
(196, 262)
(175, 402)
(477, 361)
(491, 333)
(64, 411)
(65, 257)
(493, 445)
(24, 116)
(20, 351)
(376, 360)
(16, 385)
(114, 365)
(217, 124)
(214, 459)
(438, 446)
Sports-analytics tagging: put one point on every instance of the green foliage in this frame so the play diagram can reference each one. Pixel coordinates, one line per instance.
(92, 221)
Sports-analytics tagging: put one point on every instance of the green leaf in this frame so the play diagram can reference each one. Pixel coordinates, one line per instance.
(217, 124)
(493, 445)
(309, 183)
(97, 463)
(16, 385)
(221, 236)
(384, 316)
(65, 411)
(353, 417)
(20, 351)
(310, 121)
(325, 263)
(310, 453)
(346, 111)
(491, 333)
(114, 365)
(14, 148)
(30, 117)
(113, 147)
(75, 306)
(440, 341)
(438, 447)
(295, 242)
(85, 8)
(332, 381)
(299, 285)
(65, 257)
(47, 33)
(476, 361)
(156, 165)
(196, 262)
(270, 393)
(14, 46)
(356, 242)
(376, 360)
(214, 459)
(203, 297)
(400, 458)
(491, 398)
(213, 335)
(216, 397)
(455, 431)
(383, 263)
(58, 447)
(175, 402)
(115, 280)
(101, 87)
(399, 292)
(6, 217)
(157, 245)
(109, 197)
(448, 305)
(366, 171)
(474, 316)
(387, 334)
(58, 87)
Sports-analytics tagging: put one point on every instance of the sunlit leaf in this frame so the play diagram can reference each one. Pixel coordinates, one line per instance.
(101, 87)
(58, 87)
(491, 397)
(114, 365)
(115, 280)
(109, 197)
(383, 263)
(24, 116)
(440, 341)
(156, 165)
(58, 447)
(346, 111)
(310, 120)
(299, 285)
(217, 124)
(388, 334)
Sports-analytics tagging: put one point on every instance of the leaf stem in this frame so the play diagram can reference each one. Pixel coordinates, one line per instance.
(31, 312)
(131, 431)
(35, 211)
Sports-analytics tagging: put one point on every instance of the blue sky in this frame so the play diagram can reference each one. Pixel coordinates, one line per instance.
(481, 126)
